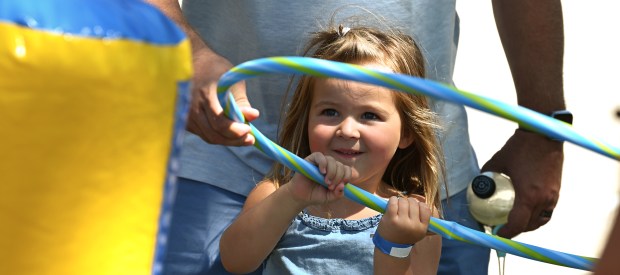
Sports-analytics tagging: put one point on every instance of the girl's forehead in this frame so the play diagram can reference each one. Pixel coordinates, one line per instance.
(323, 84)
(334, 82)
(337, 89)
(353, 89)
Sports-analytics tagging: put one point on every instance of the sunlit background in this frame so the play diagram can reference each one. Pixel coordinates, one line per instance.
(590, 186)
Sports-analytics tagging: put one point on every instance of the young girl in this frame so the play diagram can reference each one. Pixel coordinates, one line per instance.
(380, 140)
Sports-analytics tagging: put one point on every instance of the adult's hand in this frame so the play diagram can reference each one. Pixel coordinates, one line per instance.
(206, 116)
(534, 164)
(532, 36)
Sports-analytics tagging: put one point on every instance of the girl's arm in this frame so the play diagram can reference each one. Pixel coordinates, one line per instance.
(406, 222)
(268, 213)
(425, 255)
(424, 259)
(265, 217)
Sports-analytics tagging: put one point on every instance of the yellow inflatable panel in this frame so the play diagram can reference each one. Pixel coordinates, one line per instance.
(88, 124)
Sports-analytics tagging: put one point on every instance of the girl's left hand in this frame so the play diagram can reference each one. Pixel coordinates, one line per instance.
(405, 221)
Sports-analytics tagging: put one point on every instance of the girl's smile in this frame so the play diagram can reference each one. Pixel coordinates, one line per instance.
(347, 153)
(356, 123)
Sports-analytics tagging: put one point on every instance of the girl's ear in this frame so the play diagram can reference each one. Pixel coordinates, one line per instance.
(405, 141)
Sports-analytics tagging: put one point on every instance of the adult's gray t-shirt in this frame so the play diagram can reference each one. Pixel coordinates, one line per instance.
(245, 30)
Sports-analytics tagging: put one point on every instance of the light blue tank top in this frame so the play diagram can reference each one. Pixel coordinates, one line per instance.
(314, 245)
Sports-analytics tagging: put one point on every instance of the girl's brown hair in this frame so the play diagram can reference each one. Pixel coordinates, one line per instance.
(414, 170)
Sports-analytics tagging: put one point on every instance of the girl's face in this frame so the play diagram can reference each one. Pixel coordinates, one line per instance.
(357, 124)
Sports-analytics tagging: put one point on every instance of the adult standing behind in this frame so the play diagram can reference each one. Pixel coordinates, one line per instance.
(216, 176)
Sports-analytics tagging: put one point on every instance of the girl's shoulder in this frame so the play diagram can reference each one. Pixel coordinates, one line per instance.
(262, 190)
(265, 186)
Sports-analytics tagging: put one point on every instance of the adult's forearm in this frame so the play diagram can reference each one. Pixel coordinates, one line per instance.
(532, 34)
(609, 264)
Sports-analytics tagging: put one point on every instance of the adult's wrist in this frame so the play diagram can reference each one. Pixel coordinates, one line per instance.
(564, 116)
(538, 141)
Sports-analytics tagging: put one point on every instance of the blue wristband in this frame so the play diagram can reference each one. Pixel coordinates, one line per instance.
(389, 248)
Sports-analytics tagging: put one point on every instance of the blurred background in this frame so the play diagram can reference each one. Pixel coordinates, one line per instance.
(590, 186)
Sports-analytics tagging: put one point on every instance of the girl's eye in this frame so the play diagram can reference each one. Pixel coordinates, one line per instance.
(370, 116)
(329, 112)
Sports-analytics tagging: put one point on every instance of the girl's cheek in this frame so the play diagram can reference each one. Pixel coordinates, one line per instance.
(314, 143)
(318, 137)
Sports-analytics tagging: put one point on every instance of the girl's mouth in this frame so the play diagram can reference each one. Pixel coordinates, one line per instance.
(346, 153)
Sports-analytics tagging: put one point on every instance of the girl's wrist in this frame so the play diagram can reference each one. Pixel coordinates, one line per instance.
(295, 202)
(389, 248)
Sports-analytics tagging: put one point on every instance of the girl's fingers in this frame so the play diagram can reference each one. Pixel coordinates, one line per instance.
(339, 173)
(392, 207)
(331, 170)
(414, 208)
(338, 190)
(425, 213)
(321, 161)
(406, 219)
(334, 171)
(404, 207)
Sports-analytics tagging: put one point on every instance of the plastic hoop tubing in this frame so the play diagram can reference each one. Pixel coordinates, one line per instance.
(409, 84)
(324, 68)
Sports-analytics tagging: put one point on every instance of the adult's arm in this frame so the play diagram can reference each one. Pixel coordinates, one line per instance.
(206, 117)
(532, 36)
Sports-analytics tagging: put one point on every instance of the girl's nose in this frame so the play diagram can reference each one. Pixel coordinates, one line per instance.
(348, 128)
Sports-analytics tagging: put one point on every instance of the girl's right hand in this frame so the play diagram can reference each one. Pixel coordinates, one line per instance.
(336, 176)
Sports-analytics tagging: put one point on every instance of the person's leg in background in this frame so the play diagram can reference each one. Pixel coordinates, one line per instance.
(459, 257)
(200, 214)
